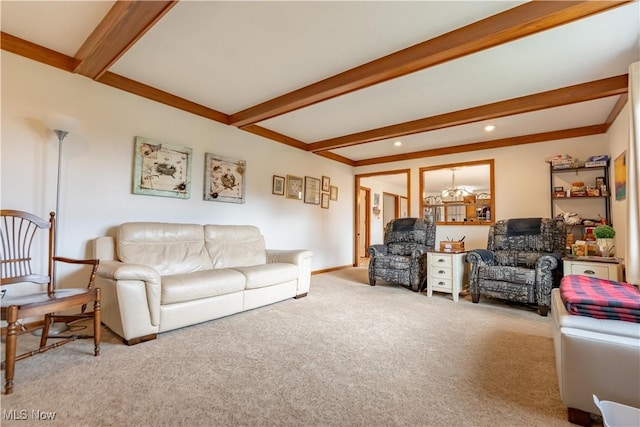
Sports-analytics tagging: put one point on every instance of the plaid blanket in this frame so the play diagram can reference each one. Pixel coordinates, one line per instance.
(599, 298)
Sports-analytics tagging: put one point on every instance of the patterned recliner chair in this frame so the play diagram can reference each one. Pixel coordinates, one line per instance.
(522, 261)
(402, 258)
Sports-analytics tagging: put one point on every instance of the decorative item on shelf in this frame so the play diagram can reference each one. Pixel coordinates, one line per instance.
(562, 161)
(559, 192)
(605, 239)
(578, 189)
(570, 218)
(569, 242)
(593, 191)
(588, 235)
(579, 248)
(597, 161)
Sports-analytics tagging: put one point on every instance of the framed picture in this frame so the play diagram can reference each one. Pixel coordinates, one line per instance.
(333, 194)
(161, 169)
(325, 201)
(294, 187)
(278, 185)
(326, 183)
(311, 190)
(224, 179)
(620, 175)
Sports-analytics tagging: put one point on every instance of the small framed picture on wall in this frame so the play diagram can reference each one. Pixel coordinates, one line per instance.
(278, 185)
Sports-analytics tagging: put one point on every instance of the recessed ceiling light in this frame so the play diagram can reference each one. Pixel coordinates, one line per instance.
(397, 143)
(489, 128)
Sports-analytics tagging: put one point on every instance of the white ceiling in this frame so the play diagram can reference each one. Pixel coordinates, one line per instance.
(231, 55)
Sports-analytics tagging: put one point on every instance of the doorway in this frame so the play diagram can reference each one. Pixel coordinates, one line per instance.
(368, 221)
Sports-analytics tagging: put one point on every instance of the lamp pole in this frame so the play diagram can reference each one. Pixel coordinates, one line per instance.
(61, 134)
(60, 125)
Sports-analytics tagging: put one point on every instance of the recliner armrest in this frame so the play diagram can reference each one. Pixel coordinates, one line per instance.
(375, 250)
(547, 263)
(481, 256)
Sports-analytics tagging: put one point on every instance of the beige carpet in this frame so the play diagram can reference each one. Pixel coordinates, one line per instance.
(346, 355)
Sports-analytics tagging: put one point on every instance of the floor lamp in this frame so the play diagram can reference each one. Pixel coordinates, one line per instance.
(61, 125)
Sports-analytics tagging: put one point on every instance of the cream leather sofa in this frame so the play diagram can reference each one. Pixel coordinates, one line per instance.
(594, 356)
(156, 277)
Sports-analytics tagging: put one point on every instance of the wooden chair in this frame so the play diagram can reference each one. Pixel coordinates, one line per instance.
(19, 235)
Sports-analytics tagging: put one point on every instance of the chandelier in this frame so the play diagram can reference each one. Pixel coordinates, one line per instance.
(454, 191)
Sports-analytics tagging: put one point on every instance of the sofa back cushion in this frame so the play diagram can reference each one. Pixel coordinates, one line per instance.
(168, 248)
(234, 245)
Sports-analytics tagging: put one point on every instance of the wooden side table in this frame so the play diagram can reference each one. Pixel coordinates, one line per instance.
(602, 268)
(447, 272)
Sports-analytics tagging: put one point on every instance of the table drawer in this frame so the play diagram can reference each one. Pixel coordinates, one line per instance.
(440, 261)
(439, 272)
(442, 285)
(599, 271)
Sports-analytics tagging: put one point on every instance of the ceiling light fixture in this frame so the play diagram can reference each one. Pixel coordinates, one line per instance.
(454, 191)
(397, 143)
(489, 128)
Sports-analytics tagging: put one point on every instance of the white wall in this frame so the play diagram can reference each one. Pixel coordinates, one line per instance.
(619, 141)
(521, 180)
(98, 158)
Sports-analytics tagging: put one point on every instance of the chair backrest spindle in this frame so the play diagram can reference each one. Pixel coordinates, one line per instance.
(18, 233)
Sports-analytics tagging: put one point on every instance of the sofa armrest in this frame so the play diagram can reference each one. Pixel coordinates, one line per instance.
(294, 256)
(299, 257)
(148, 277)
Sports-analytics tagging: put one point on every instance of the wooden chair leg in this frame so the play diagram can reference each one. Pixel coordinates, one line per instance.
(96, 324)
(45, 330)
(10, 348)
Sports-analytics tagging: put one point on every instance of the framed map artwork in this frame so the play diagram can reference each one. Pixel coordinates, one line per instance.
(161, 169)
(224, 179)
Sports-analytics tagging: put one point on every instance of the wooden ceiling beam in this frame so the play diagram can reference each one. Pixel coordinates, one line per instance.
(36, 52)
(554, 98)
(275, 136)
(617, 108)
(121, 27)
(140, 89)
(529, 18)
(486, 145)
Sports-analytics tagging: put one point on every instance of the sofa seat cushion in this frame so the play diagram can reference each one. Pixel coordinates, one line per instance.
(200, 284)
(502, 273)
(260, 276)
